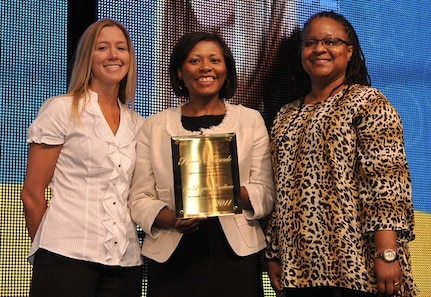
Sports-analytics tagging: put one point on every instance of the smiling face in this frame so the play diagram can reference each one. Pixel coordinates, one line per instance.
(326, 63)
(111, 58)
(204, 70)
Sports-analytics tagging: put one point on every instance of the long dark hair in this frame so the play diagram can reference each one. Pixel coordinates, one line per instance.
(180, 52)
(356, 72)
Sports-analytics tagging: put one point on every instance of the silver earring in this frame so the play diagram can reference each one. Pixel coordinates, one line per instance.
(180, 85)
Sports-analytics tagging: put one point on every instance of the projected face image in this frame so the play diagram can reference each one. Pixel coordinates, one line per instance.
(255, 31)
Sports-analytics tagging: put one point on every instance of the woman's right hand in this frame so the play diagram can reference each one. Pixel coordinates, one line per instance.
(166, 219)
(274, 272)
(188, 225)
(41, 163)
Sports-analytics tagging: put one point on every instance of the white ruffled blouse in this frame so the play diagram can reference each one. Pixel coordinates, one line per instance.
(88, 217)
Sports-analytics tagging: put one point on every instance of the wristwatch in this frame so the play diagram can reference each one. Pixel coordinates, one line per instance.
(388, 255)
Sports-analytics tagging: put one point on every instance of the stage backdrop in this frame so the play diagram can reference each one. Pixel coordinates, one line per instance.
(33, 66)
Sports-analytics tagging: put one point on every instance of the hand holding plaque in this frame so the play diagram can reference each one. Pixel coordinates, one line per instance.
(206, 175)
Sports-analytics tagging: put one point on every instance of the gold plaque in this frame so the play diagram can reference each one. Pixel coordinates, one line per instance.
(206, 175)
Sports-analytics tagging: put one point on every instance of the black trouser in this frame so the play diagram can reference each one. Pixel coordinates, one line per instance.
(204, 265)
(55, 275)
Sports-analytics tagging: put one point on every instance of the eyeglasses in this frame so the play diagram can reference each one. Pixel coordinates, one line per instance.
(327, 42)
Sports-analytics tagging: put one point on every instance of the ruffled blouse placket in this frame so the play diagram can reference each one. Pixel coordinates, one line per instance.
(114, 201)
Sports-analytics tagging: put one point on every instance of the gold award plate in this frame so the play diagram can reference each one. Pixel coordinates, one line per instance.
(206, 175)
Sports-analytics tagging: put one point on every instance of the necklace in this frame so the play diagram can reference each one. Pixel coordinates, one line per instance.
(300, 134)
(330, 94)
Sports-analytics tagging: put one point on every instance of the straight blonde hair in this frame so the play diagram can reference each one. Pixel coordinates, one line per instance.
(83, 59)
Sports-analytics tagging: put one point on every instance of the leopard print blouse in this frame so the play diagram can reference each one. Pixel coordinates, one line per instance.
(341, 174)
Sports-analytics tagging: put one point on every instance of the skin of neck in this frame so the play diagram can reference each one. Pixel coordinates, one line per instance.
(106, 95)
(322, 91)
(203, 106)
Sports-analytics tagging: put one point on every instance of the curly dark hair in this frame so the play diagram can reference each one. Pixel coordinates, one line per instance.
(356, 72)
(180, 52)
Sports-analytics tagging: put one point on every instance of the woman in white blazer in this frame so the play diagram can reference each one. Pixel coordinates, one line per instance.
(216, 256)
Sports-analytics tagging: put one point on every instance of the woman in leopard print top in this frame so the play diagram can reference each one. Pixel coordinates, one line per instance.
(342, 180)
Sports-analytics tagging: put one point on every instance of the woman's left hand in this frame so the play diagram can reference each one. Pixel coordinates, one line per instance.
(388, 277)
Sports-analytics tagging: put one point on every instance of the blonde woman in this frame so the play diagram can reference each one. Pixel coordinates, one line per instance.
(82, 145)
